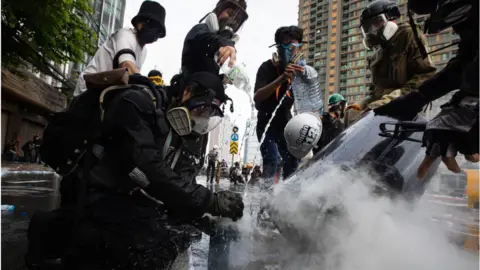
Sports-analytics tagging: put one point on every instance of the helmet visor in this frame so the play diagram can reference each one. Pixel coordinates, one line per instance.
(373, 25)
(231, 15)
(205, 117)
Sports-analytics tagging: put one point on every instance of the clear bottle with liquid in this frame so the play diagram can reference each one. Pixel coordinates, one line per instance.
(236, 74)
(308, 97)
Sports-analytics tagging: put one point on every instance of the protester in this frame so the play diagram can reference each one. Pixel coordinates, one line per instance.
(455, 128)
(396, 64)
(126, 47)
(214, 35)
(212, 162)
(272, 82)
(156, 77)
(138, 211)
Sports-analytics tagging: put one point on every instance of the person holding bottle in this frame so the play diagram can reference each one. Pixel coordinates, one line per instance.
(273, 81)
(215, 35)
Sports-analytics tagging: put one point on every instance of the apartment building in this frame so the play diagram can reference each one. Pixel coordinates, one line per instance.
(334, 47)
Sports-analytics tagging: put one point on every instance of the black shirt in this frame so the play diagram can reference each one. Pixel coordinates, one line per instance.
(266, 74)
(199, 49)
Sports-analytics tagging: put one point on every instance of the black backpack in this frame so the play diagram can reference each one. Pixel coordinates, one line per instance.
(71, 132)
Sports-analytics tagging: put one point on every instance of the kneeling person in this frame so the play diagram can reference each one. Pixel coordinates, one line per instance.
(123, 225)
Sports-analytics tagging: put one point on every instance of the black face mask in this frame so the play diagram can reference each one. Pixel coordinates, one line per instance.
(147, 35)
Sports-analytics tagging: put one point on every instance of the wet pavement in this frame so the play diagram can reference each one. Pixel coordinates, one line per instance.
(30, 188)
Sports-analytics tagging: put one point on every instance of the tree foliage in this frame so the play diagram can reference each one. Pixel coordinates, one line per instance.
(36, 32)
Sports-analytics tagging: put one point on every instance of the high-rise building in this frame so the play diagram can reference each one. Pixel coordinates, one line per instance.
(334, 47)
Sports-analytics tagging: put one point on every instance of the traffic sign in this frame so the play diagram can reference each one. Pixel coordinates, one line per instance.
(235, 129)
(234, 137)
(233, 148)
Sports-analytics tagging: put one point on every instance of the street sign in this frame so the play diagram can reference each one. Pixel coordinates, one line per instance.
(234, 137)
(235, 129)
(233, 148)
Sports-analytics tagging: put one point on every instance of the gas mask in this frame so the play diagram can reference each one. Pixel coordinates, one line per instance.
(377, 31)
(148, 34)
(286, 55)
(198, 115)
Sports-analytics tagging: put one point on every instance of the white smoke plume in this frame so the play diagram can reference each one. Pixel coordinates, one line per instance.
(371, 233)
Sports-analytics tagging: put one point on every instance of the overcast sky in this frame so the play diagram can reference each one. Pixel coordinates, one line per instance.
(256, 35)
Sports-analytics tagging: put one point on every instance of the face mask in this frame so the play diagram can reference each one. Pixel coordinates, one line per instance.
(200, 124)
(147, 35)
(285, 56)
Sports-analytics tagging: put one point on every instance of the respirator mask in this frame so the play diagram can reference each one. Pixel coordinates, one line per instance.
(377, 30)
(199, 115)
(288, 54)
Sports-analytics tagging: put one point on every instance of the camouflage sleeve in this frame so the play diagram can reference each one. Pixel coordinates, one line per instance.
(422, 69)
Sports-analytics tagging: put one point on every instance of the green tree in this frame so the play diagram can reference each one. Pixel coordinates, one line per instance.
(36, 32)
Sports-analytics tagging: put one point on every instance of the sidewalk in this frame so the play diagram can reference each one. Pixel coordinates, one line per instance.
(9, 167)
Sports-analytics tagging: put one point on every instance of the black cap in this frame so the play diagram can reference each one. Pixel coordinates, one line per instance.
(152, 11)
(209, 81)
(291, 32)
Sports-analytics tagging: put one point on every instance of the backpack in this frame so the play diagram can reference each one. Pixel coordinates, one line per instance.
(71, 132)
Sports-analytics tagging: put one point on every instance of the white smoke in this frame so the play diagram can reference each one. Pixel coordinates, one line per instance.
(372, 233)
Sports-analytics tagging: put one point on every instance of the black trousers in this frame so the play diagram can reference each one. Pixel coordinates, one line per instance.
(211, 171)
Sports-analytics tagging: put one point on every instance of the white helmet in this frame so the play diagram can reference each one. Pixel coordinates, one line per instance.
(302, 133)
(215, 147)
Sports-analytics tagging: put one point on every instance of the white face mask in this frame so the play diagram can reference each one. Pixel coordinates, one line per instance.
(183, 121)
(378, 30)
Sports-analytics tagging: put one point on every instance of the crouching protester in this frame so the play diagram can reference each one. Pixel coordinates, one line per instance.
(123, 203)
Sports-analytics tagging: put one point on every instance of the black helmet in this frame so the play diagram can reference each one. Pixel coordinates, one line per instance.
(378, 7)
(237, 15)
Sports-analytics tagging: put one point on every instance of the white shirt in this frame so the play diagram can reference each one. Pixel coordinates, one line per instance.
(124, 38)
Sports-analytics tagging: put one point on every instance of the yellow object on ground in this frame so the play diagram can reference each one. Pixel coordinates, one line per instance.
(472, 241)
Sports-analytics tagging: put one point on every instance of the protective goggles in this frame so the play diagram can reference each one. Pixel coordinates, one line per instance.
(290, 46)
(373, 25)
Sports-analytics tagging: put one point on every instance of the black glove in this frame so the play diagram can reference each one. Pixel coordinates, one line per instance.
(403, 108)
(227, 204)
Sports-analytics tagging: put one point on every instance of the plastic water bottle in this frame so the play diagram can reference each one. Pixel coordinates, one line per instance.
(7, 207)
(308, 96)
(236, 74)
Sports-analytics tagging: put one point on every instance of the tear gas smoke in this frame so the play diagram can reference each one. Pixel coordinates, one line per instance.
(366, 232)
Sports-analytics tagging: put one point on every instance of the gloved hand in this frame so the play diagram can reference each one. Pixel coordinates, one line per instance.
(227, 204)
(403, 108)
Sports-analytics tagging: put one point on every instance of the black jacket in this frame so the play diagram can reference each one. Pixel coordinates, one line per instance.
(199, 49)
(136, 140)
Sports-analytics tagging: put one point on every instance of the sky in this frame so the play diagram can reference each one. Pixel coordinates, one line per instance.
(256, 35)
